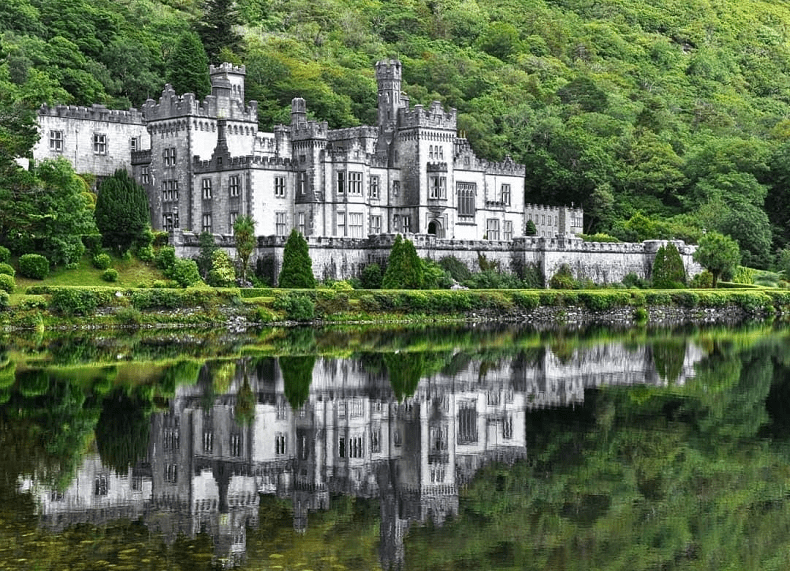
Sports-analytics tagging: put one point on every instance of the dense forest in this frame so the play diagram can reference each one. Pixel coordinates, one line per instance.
(662, 118)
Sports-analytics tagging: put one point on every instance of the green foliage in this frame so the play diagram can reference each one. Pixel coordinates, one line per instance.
(146, 253)
(371, 276)
(563, 279)
(7, 269)
(744, 275)
(297, 376)
(7, 283)
(184, 272)
(101, 261)
(434, 276)
(207, 248)
(703, 279)
(530, 229)
(222, 273)
(122, 214)
(5, 300)
(122, 431)
(34, 266)
(633, 280)
(783, 263)
(668, 271)
(187, 66)
(297, 306)
(110, 275)
(217, 28)
(598, 237)
(456, 268)
(244, 235)
(5, 255)
(297, 269)
(718, 254)
(78, 301)
(404, 267)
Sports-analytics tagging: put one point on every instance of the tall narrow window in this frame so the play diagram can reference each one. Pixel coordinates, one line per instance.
(100, 485)
(208, 441)
(169, 157)
(466, 198)
(302, 183)
(233, 217)
(302, 225)
(355, 224)
(279, 186)
(233, 185)
(206, 184)
(505, 194)
(56, 141)
(492, 229)
(171, 473)
(406, 222)
(375, 224)
(207, 222)
(145, 175)
(341, 223)
(355, 183)
(280, 443)
(169, 220)
(134, 144)
(374, 187)
(235, 444)
(279, 223)
(395, 187)
(437, 188)
(341, 182)
(507, 230)
(99, 144)
(467, 423)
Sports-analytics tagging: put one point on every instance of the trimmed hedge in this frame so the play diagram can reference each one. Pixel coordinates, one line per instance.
(7, 269)
(7, 283)
(80, 301)
(34, 266)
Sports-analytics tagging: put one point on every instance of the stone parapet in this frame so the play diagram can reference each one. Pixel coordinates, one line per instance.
(94, 113)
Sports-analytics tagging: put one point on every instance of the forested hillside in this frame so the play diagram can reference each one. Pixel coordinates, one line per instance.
(663, 118)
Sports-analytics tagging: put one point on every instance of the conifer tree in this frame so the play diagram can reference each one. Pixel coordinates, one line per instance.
(121, 211)
(668, 270)
(244, 234)
(530, 229)
(718, 254)
(404, 268)
(187, 67)
(217, 29)
(297, 270)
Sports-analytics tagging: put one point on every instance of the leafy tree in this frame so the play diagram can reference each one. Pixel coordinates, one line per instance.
(783, 262)
(718, 254)
(245, 404)
(222, 273)
(748, 225)
(122, 214)
(244, 234)
(122, 431)
(668, 270)
(187, 67)
(371, 276)
(404, 267)
(297, 270)
(217, 28)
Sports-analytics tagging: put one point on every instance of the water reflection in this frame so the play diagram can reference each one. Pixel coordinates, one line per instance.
(407, 428)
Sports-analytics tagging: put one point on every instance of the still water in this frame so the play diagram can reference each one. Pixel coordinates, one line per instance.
(424, 448)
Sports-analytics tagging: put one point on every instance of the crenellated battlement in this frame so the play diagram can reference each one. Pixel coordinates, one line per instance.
(507, 167)
(248, 161)
(310, 130)
(94, 113)
(435, 117)
(171, 105)
(226, 67)
(388, 69)
(363, 132)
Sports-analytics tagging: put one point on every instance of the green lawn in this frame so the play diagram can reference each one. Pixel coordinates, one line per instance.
(131, 273)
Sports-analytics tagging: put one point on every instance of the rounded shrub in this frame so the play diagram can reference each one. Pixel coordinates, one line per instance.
(145, 253)
(563, 279)
(101, 261)
(7, 269)
(73, 301)
(5, 254)
(110, 275)
(5, 300)
(34, 266)
(185, 272)
(7, 283)
(297, 307)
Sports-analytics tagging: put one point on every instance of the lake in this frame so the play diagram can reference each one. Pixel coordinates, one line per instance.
(476, 446)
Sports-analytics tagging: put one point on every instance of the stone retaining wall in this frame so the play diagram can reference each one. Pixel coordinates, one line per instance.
(343, 258)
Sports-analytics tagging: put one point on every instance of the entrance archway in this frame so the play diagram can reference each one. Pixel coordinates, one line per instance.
(435, 228)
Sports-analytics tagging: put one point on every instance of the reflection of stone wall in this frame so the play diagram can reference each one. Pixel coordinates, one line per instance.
(206, 469)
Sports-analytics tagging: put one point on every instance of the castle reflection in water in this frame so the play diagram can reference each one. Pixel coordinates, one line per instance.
(205, 471)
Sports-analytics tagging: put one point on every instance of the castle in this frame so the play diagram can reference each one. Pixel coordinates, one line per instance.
(203, 164)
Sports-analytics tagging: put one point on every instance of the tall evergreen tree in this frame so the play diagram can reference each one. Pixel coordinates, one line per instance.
(668, 270)
(404, 267)
(122, 214)
(244, 234)
(718, 254)
(187, 67)
(217, 29)
(297, 270)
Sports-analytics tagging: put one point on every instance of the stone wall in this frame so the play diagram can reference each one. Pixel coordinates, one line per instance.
(342, 258)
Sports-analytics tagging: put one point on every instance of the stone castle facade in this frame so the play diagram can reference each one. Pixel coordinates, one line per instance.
(204, 163)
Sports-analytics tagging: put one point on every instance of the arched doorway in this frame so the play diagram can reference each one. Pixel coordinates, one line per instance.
(435, 228)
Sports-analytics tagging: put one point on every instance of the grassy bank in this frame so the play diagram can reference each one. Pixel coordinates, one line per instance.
(43, 306)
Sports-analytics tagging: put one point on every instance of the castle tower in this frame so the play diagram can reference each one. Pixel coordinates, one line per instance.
(228, 80)
(388, 78)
